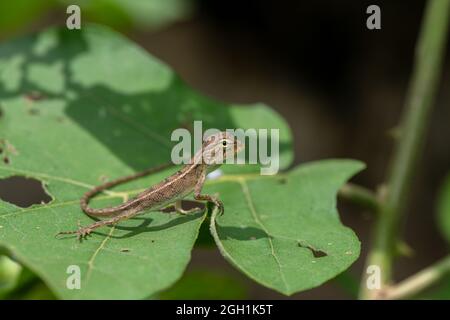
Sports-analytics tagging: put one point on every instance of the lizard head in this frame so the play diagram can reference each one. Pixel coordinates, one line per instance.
(218, 147)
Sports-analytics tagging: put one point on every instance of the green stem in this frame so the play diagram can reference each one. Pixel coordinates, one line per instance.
(359, 195)
(420, 281)
(420, 99)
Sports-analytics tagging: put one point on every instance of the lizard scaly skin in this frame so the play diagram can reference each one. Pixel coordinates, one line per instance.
(190, 178)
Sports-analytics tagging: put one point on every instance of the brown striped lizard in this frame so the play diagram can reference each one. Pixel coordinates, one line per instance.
(169, 192)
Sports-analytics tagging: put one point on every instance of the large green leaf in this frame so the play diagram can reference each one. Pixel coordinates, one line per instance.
(79, 107)
(148, 14)
(284, 232)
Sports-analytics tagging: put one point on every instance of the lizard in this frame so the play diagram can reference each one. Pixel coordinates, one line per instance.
(189, 179)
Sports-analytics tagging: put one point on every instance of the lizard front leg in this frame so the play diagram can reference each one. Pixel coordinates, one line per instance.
(206, 197)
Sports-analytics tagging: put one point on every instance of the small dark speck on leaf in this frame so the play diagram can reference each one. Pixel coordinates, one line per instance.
(282, 180)
(316, 252)
(7, 149)
(153, 241)
(125, 250)
(34, 96)
(33, 111)
(103, 178)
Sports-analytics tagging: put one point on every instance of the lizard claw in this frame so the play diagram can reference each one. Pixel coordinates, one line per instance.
(81, 233)
(219, 205)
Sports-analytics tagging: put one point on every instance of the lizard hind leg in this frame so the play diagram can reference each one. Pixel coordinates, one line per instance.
(83, 232)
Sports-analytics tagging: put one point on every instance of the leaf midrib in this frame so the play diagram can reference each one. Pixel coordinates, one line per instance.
(251, 206)
(94, 256)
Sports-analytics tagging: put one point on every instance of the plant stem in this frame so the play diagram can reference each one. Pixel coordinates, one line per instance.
(421, 92)
(359, 195)
(419, 281)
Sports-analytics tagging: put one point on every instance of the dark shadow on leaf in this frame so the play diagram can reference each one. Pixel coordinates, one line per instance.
(136, 127)
(146, 226)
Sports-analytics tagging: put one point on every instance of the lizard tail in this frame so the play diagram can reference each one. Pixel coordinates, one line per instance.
(104, 212)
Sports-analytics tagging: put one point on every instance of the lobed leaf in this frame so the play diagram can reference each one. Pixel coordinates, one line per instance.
(79, 107)
(284, 232)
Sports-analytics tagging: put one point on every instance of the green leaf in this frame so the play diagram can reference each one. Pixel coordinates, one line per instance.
(444, 209)
(148, 14)
(284, 232)
(20, 13)
(123, 14)
(78, 107)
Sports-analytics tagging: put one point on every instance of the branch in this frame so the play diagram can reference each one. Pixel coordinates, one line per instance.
(419, 101)
(420, 281)
(360, 196)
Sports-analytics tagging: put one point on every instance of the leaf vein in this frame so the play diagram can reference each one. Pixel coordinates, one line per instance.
(258, 221)
(94, 256)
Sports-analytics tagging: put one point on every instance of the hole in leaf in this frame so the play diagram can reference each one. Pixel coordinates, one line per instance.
(186, 205)
(316, 252)
(23, 192)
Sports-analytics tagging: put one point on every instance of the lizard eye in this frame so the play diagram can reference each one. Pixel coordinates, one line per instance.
(224, 143)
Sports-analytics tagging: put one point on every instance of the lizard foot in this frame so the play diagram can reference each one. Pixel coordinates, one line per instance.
(221, 208)
(219, 205)
(81, 233)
